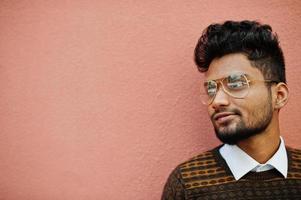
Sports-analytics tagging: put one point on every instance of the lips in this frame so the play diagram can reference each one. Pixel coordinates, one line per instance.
(223, 117)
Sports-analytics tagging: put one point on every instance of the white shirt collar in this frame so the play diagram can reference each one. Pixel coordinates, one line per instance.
(240, 163)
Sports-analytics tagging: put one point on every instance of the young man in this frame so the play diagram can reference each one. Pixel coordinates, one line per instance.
(245, 89)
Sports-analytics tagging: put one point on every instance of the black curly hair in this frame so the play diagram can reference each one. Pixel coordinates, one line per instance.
(255, 40)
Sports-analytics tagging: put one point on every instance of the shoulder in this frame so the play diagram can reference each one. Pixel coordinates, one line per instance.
(202, 160)
(180, 178)
(294, 154)
(204, 169)
(294, 159)
(293, 150)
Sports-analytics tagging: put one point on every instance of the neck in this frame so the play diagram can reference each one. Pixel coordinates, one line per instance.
(262, 146)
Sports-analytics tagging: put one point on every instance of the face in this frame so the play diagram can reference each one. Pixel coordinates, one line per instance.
(236, 119)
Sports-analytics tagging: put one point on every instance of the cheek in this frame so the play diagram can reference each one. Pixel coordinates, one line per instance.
(251, 111)
(244, 107)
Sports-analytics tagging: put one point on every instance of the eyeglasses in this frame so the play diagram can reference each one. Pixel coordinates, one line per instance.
(235, 85)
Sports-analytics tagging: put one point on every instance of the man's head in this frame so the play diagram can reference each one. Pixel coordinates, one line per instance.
(256, 41)
(245, 78)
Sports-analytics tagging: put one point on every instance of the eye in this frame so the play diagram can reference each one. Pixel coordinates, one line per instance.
(210, 88)
(236, 82)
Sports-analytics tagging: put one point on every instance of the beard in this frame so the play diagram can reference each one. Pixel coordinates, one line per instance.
(259, 121)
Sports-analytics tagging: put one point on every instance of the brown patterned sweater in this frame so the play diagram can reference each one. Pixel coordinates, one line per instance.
(207, 176)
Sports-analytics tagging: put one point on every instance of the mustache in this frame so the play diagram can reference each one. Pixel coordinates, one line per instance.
(221, 110)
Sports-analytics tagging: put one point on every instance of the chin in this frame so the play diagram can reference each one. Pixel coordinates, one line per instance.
(227, 128)
(230, 135)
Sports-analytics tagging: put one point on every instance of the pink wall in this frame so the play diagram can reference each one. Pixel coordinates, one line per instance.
(99, 99)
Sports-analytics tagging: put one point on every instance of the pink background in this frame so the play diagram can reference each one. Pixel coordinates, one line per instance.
(99, 99)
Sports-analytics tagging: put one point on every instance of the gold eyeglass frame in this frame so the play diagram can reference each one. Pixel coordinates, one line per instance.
(220, 81)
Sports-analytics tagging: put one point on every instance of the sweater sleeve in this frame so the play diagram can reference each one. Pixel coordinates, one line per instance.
(173, 189)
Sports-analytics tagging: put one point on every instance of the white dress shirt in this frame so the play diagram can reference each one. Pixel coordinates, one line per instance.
(240, 163)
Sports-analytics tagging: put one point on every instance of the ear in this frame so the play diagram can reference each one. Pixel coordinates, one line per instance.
(281, 94)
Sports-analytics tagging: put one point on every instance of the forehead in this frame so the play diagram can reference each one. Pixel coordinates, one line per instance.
(231, 64)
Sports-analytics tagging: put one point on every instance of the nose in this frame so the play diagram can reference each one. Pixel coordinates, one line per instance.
(221, 99)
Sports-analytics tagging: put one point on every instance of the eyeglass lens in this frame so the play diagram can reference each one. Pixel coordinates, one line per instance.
(235, 85)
